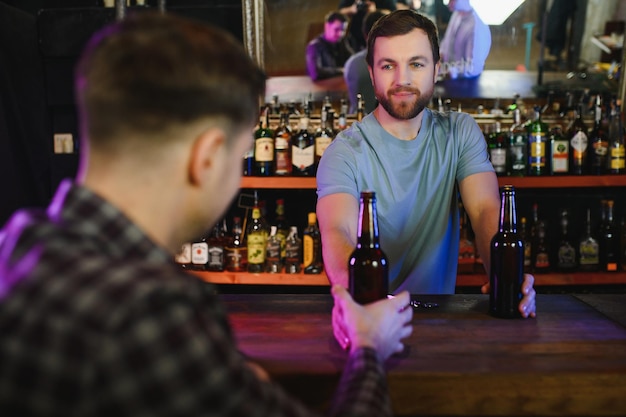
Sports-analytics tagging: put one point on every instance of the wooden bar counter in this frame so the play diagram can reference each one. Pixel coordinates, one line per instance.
(570, 360)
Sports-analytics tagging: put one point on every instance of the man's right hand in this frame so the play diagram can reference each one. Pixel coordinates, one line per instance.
(380, 325)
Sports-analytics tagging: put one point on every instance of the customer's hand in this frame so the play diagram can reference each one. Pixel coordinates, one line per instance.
(527, 307)
(381, 325)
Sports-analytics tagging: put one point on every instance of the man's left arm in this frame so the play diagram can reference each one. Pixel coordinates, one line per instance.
(481, 200)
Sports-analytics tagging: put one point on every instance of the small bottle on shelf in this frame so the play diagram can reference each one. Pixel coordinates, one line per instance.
(517, 159)
(236, 250)
(559, 152)
(312, 247)
(273, 261)
(616, 160)
(264, 147)
(566, 250)
(303, 150)
(537, 149)
(598, 142)
(216, 249)
(256, 236)
(588, 248)
(183, 257)
(609, 242)
(199, 255)
(324, 135)
(497, 149)
(293, 248)
(579, 142)
(282, 146)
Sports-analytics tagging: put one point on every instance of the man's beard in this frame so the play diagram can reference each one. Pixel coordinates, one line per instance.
(403, 109)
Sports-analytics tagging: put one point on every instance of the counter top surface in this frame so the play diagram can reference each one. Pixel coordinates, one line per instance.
(570, 360)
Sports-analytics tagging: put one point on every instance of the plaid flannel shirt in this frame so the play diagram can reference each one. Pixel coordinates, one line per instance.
(97, 320)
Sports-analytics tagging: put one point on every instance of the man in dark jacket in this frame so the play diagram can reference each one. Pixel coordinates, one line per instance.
(326, 54)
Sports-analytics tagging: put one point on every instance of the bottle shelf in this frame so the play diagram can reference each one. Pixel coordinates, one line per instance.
(463, 280)
(564, 181)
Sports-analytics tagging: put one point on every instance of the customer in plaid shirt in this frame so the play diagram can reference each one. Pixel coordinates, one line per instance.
(95, 317)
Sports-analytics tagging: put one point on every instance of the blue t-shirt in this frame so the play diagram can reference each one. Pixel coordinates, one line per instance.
(416, 191)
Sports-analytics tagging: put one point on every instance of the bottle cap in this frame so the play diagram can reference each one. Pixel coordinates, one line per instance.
(312, 218)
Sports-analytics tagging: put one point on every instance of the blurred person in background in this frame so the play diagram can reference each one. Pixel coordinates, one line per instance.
(327, 53)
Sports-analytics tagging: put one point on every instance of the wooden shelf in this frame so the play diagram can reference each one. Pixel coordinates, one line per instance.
(463, 280)
(565, 181)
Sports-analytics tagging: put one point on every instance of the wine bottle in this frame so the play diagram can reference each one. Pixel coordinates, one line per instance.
(368, 267)
(312, 247)
(506, 274)
(280, 222)
(537, 136)
(216, 249)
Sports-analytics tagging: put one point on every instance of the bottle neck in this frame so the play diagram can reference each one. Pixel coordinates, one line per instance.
(508, 215)
(367, 234)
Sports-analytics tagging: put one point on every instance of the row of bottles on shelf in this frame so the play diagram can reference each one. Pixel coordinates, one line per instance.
(255, 245)
(534, 148)
(285, 151)
(598, 247)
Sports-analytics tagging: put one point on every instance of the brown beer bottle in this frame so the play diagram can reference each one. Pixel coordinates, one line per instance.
(368, 268)
(507, 260)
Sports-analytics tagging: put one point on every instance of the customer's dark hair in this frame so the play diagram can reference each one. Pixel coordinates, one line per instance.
(151, 72)
(401, 22)
(334, 16)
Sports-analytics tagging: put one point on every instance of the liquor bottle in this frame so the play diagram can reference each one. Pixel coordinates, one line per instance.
(342, 122)
(497, 150)
(368, 267)
(598, 142)
(236, 250)
(617, 150)
(540, 255)
(579, 142)
(324, 135)
(281, 225)
(537, 136)
(517, 160)
(216, 249)
(609, 242)
(264, 147)
(303, 150)
(360, 107)
(256, 236)
(467, 250)
(293, 248)
(248, 163)
(588, 248)
(566, 251)
(183, 257)
(527, 245)
(312, 247)
(273, 262)
(199, 255)
(506, 274)
(559, 152)
(282, 146)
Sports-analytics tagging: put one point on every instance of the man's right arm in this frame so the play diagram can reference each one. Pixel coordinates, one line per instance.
(337, 215)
